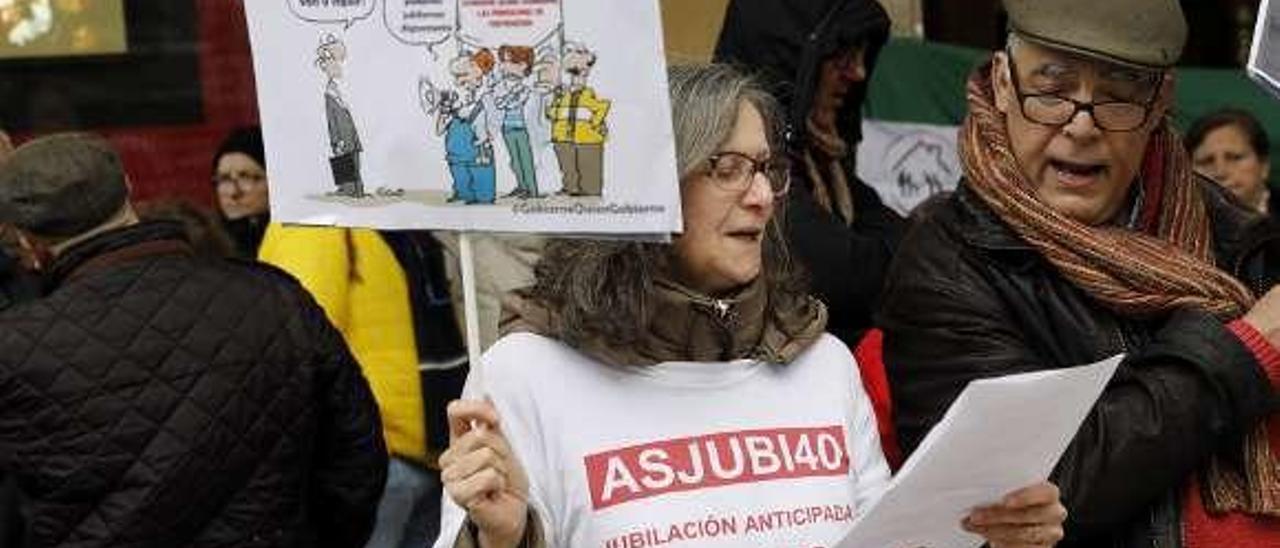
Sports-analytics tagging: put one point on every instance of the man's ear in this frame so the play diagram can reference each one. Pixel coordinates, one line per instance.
(1166, 96)
(1000, 82)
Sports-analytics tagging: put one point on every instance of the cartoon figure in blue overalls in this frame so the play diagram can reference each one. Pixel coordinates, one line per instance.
(461, 120)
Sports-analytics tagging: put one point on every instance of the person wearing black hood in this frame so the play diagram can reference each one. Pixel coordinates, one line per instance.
(240, 181)
(817, 56)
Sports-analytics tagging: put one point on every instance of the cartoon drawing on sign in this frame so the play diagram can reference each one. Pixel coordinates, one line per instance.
(511, 93)
(344, 140)
(578, 129)
(478, 115)
(461, 118)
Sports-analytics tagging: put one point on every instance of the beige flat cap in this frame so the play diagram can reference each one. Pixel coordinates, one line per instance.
(1141, 33)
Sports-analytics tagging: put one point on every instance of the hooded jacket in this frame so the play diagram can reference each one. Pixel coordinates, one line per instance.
(785, 41)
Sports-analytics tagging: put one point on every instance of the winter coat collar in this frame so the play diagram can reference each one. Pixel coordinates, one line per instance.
(686, 325)
(113, 248)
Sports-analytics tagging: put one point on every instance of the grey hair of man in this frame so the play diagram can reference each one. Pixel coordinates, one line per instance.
(1014, 41)
(603, 288)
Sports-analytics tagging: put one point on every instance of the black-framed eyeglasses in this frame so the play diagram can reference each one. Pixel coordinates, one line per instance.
(1055, 110)
(735, 171)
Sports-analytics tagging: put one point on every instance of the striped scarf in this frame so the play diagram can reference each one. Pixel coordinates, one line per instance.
(1166, 263)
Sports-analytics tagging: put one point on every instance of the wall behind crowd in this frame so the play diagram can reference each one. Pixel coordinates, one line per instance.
(172, 160)
(917, 82)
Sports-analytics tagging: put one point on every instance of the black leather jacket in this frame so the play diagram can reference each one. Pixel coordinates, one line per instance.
(967, 298)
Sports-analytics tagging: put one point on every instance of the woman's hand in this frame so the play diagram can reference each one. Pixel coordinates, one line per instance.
(481, 474)
(1026, 518)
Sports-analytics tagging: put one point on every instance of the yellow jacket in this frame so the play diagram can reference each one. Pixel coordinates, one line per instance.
(567, 123)
(356, 278)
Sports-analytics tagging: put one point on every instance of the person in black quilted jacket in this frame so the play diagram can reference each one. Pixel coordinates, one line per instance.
(157, 399)
(17, 284)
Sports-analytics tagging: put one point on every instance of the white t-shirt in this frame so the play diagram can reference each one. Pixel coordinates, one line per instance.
(738, 453)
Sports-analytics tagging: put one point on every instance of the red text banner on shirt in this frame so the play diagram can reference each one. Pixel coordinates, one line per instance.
(713, 460)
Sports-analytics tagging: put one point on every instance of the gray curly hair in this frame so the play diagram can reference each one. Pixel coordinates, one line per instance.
(602, 288)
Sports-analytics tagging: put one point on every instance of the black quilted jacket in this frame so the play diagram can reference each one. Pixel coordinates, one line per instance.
(154, 399)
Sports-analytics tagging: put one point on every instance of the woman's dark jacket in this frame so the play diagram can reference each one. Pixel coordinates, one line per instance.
(785, 41)
(968, 299)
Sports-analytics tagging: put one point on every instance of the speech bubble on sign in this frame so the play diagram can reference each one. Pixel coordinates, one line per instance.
(494, 23)
(346, 12)
(420, 22)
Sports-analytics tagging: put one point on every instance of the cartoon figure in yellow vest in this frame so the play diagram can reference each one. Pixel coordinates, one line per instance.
(578, 129)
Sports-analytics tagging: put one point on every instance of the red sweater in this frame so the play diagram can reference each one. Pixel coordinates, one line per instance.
(1236, 530)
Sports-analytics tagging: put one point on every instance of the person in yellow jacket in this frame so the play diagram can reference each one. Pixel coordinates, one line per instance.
(579, 140)
(355, 276)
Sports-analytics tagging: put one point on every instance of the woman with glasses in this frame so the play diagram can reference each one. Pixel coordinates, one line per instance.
(1079, 232)
(240, 181)
(648, 394)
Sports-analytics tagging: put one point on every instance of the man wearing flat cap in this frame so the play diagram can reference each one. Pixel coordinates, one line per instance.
(157, 399)
(1079, 232)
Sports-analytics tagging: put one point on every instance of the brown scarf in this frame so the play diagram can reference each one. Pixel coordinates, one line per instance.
(685, 325)
(823, 163)
(1166, 264)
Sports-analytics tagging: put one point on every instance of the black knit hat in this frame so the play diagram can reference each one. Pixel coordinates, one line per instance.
(62, 185)
(246, 140)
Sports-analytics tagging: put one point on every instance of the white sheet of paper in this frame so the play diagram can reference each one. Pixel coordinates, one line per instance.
(999, 435)
(1264, 56)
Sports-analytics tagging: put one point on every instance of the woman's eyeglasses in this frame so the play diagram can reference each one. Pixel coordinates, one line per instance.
(735, 171)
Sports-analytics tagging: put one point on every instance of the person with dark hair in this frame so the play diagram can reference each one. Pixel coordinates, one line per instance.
(207, 237)
(1230, 147)
(642, 384)
(240, 181)
(153, 399)
(1080, 232)
(816, 56)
